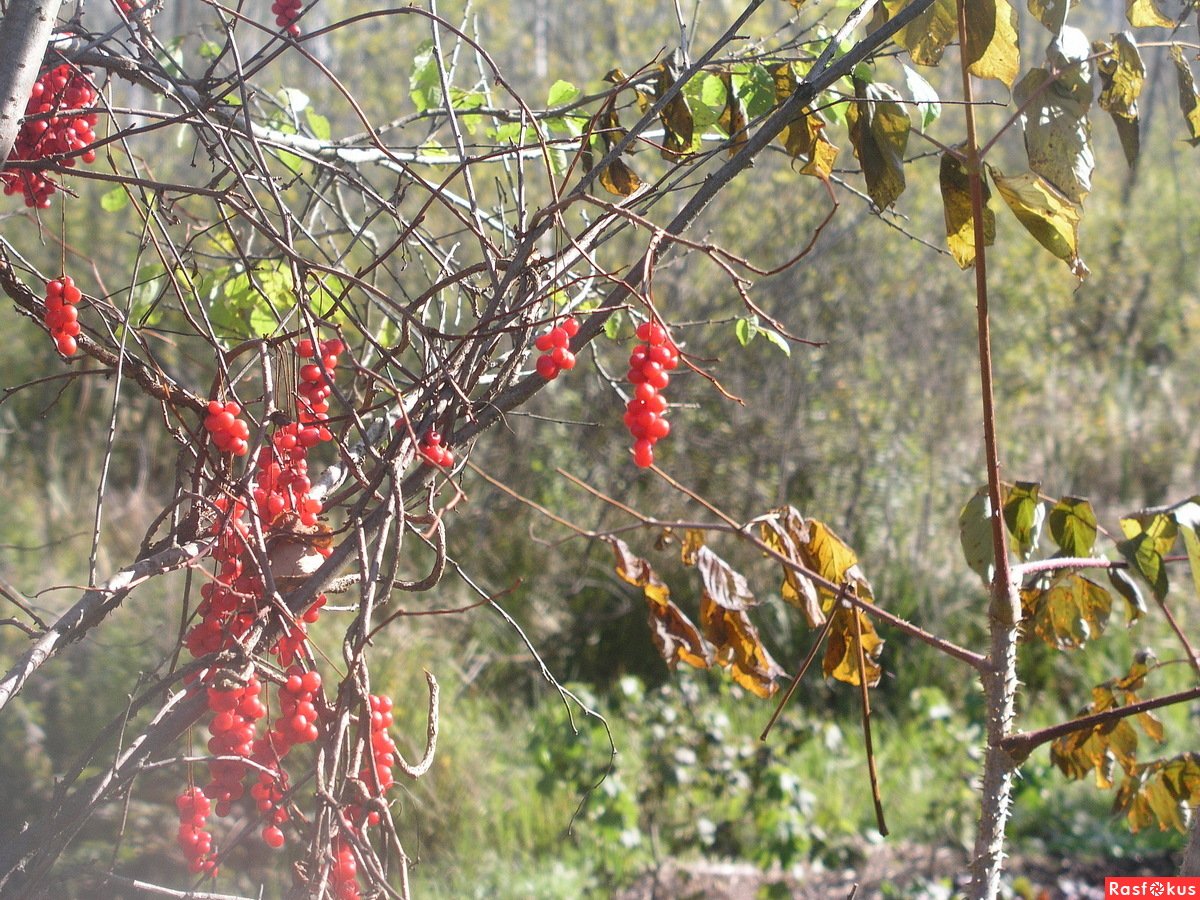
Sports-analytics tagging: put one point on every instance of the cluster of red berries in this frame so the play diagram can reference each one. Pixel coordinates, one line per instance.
(192, 836)
(57, 122)
(286, 13)
(316, 379)
(433, 451)
(649, 365)
(229, 433)
(62, 318)
(554, 345)
(235, 712)
(345, 872)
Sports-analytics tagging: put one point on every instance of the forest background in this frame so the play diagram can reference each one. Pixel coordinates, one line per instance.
(1096, 384)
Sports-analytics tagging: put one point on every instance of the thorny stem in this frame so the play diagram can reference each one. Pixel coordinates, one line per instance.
(1004, 612)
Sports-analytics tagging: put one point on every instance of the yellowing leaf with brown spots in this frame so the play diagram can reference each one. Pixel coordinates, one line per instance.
(676, 638)
(841, 651)
(636, 571)
(1160, 793)
(739, 648)
(785, 531)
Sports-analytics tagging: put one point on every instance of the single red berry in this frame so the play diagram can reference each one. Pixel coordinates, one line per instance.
(643, 454)
(547, 367)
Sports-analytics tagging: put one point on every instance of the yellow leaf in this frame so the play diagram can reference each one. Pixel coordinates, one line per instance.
(1046, 214)
(1189, 103)
(676, 638)
(841, 650)
(1146, 14)
(956, 209)
(992, 50)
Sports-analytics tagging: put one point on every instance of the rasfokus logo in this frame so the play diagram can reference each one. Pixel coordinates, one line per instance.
(1150, 886)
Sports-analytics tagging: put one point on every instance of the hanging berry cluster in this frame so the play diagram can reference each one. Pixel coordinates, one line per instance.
(554, 346)
(229, 433)
(280, 499)
(59, 121)
(649, 366)
(286, 13)
(316, 385)
(192, 836)
(62, 318)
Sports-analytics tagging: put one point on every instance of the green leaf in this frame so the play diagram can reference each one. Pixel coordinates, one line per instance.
(1073, 526)
(956, 210)
(114, 200)
(1145, 559)
(1057, 132)
(929, 104)
(1187, 517)
(1189, 103)
(879, 127)
(612, 325)
(1046, 214)
(746, 328)
(756, 86)
(777, 339)
(424, 83)
(318, 125)
(209, 50)
(975, 534)
(1023, 514)
(561, 93)
(1135, 606)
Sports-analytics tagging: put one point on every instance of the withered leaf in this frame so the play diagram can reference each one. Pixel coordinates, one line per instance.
(1068, 613)
(693, 540)
(636, 571)
(804, 137)
(785, 531)
(1122, 75)
(1160, 793)
(841, 650)
(676, 638)
(739, 648)
(1058, 135)
(879, 127)
(1189, 102)
(676, 116)
(725, 587)
(733, 118)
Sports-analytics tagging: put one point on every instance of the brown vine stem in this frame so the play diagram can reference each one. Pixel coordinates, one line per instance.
(1020, 745)
(865, 693)
(808, 661)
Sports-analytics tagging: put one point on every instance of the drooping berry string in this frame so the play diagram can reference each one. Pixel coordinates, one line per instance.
(62, 316)
(650, 365)
(59, 122)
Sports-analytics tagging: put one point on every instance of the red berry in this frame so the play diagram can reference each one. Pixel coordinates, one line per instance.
(272, 837)
(563, 358)
(547, 367)
(643, 454)
(570, 325)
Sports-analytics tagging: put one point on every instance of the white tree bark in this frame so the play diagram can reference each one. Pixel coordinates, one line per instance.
(24, 32)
